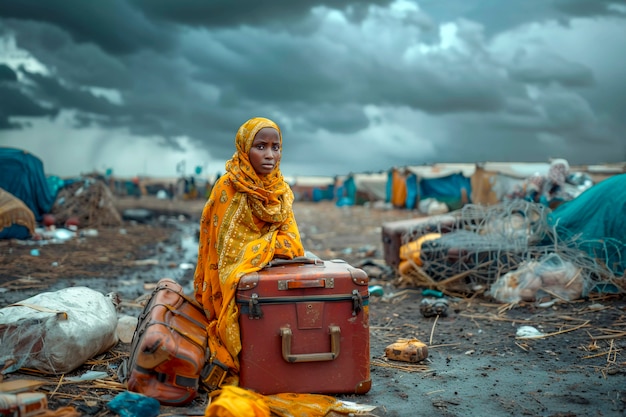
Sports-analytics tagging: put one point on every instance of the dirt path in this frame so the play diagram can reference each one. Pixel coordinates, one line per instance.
(476, 365)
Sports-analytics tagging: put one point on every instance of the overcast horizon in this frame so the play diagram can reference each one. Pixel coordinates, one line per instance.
(139, 86)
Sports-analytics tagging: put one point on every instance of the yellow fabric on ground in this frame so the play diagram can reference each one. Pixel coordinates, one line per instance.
(237, 402)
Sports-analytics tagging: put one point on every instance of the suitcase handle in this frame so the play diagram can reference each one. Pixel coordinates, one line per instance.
(294, 284)
(286, 334)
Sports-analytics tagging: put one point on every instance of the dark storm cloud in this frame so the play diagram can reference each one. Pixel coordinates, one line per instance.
(7, 74)
(548, 69)
(221, 13)
(329, 72)
(114, 25)
(590, 7)
(61, 96)
(16, 102)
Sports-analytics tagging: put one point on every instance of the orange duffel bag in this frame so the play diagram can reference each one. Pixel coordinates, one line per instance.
(169, 354)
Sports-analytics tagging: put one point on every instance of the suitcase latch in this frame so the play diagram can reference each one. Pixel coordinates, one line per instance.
(357, 302)
(254, 308)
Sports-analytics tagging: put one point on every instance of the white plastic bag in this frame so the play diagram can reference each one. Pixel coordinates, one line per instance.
(56, 332)
(549, 276)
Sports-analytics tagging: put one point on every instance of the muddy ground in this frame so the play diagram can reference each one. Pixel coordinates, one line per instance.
(476, 366)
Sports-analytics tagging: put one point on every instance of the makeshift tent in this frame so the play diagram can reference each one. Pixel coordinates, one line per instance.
(594, 223)
(312, 188)
(447, 183)
(491, 181)
(22, 175)
(16, 220)
(396, 187)
(364, 187)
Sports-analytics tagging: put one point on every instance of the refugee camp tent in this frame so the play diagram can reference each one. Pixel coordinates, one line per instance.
(396, 187)
(446, 183)
(364, 187)
(16, 220)
(593, 222)
(491, 181)
(22, 175)
(312, 188)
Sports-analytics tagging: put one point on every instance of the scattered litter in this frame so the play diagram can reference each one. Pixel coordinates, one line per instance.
(411, 350)
(26, 404)
(533, 280)
(126, 326)
(146, 262)
(89, 203)
(57, 235)
(89, 233)
(432, 293)
(19, 385)
(186, 266)
(34, 252)
(131, 404)
(431, 307)
(376, 290)
(528, 332)
(88, 376)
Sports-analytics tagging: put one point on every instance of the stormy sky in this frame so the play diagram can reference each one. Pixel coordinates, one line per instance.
(138, 86)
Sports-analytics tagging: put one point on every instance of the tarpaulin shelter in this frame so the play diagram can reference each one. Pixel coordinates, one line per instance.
(447, 183)
(396, 187)
(22, 174)
(16, 220)
(594, 222)
(312, 188)
(365, 187)
(491, 181)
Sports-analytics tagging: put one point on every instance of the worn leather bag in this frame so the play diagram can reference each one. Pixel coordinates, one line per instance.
(169, 347)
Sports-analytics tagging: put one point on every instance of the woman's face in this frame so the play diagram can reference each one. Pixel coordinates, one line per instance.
(265, 151)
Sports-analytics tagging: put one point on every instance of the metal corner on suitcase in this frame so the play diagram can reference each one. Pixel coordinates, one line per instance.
(363, 387)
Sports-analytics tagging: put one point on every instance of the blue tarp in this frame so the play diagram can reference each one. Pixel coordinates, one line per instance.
(22, 174)
(596, 220)
(445, 189)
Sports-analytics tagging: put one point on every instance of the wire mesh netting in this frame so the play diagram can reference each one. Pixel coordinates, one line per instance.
(484, 243)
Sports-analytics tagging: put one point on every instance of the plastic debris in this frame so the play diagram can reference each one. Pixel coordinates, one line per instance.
(432, 293)
(411, 350)
(376, 290)
(431, 307)
(126, 326)
(131, 404)
(528, 332)
(88, 376)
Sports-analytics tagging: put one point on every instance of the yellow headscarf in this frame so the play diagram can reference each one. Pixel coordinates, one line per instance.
(246, 222)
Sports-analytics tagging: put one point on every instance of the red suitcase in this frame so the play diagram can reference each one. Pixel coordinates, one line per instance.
(396, 233)
(304, 326)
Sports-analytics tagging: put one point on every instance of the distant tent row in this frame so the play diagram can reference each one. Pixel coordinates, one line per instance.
(454, 184)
